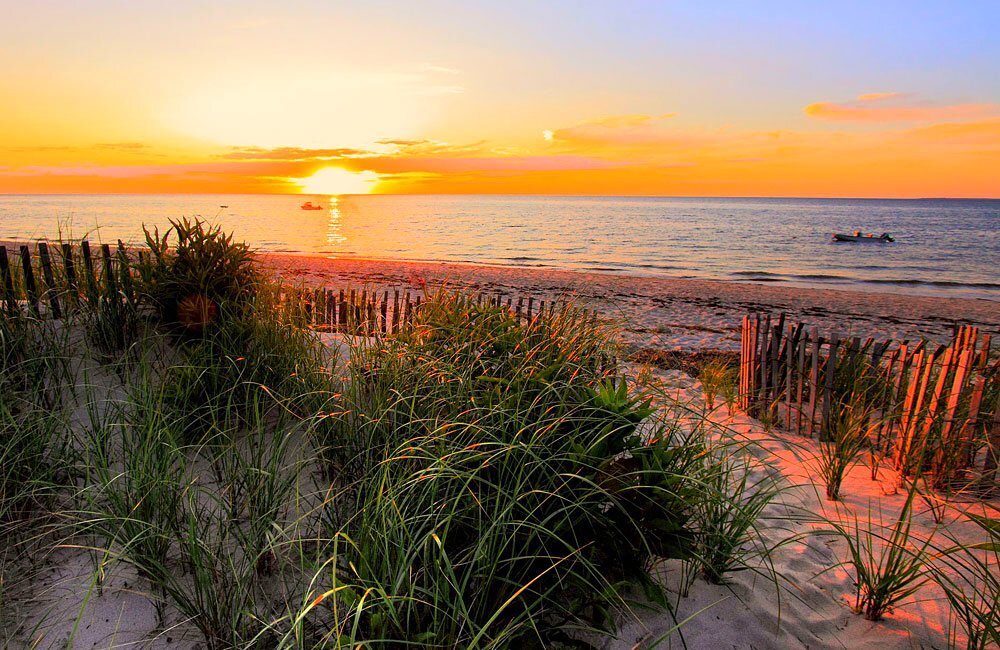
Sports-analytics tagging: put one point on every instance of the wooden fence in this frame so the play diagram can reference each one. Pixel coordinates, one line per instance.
(54, 280)
(926, 409)
(369, 311)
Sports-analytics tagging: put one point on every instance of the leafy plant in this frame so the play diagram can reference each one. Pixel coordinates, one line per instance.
(204, 277)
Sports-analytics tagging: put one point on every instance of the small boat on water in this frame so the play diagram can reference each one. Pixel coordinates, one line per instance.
(308, 205)
(884, 238)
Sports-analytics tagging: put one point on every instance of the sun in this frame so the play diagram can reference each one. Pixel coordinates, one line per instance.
(335, 181)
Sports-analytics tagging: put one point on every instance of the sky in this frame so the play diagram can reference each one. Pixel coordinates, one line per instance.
(845, 99)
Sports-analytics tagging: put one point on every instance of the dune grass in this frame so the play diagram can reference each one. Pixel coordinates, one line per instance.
(969, 574)
(504, 493)
(846, 441)
(888, 564)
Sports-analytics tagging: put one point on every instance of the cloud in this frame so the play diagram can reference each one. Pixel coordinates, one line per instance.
(891, 107)
(980, 134)
(484, 164)
(293, 153)
(432, 147)
(618, 131)
(121, 146)
(879, 97)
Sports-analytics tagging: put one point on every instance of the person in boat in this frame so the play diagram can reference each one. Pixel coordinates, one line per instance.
(857, 233)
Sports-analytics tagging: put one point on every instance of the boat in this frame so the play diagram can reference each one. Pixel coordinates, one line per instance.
(308, 205)
(884, 238)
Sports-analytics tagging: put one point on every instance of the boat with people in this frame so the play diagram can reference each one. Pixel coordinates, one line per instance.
(308, 205)
(884, 238)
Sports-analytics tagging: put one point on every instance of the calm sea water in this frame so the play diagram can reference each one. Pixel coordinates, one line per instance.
(944, 248)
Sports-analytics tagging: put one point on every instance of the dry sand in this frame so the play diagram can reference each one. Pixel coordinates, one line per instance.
(663, 313)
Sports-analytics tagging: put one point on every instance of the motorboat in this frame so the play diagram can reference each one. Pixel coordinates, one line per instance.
(308, 205)
(856, 236)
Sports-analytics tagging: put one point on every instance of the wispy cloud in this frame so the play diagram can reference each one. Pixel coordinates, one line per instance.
(879, 97)
(293, 153)
(121, 146)
(637, 130)
(897, 107)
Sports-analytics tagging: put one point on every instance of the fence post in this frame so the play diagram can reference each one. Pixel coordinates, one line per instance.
(29, 280)
(49, 279)
(831, 370)
(803, 344)
(8, 281)
(72, 290)
(88, 267)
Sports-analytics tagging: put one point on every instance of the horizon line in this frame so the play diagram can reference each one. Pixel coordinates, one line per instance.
(512, 194)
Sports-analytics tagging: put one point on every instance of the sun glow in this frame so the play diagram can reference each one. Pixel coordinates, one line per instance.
(335, 181)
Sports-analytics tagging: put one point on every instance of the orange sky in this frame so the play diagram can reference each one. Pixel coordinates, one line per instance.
(181, 98)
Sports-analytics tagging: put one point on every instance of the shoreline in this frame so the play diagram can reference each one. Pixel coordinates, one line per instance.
(660, 312)
(905, 288)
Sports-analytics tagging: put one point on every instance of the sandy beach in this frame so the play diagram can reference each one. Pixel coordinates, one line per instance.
(663, 313)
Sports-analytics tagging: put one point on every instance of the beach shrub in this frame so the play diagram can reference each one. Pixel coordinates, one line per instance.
(114, 323)
(503, 492)
(35, 379)
(200, 279)
(35, 456)
(32, 456)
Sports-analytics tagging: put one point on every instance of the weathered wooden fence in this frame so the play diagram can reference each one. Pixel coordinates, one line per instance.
(369, 311)
(927, 409)
(54, 280)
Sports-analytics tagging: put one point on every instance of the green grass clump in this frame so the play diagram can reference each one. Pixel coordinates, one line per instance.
(215, 381)
(200, 520)
(728, 512)
(34, 454)
(719, 378)
(504, 494)
(887, 568)
(847, 439)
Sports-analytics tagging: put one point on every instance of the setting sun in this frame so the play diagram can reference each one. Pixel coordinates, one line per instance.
(335, 181)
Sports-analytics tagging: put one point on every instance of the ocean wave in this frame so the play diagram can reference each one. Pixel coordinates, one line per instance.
(936, 283)
(764, 274)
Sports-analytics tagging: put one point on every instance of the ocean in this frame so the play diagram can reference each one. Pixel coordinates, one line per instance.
(943, 247)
